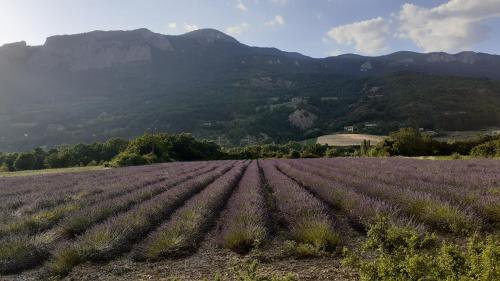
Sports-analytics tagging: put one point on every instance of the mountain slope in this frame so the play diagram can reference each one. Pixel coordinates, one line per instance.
(97, 85)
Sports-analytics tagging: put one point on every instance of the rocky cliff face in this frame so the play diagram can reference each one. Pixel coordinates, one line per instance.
(464, 57)
(98, 49)
(102, 49)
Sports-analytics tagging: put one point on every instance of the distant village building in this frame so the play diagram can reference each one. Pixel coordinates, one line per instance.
(349, 128)
(371, 125)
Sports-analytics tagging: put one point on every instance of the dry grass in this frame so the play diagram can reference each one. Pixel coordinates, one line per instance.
(51, 171)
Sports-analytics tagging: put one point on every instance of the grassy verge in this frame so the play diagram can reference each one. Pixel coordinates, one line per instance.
(51, 171)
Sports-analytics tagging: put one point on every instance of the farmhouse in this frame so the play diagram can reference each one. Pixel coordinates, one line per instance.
(349, 128)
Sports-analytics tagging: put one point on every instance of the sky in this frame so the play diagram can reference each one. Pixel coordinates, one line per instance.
(317, 28)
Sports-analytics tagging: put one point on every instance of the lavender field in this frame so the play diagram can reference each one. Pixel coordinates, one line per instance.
(277, 211)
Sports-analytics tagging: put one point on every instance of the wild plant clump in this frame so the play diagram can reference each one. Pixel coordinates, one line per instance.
(393, 252)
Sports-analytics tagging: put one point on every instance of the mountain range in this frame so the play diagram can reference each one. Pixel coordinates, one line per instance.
(93, 86)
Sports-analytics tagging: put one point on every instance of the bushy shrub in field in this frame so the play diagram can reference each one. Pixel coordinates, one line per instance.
(156, 146)
(441, 216)
(492, 211)
(488, 149)
(129, 159)
(294, 154)
(401, 253)
(408, 142)
(317, 234)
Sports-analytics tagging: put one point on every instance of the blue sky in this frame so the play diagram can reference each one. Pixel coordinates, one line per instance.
(317, 28)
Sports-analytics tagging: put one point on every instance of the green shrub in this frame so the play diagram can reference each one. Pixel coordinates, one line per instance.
(294, 154)
(64, 261)
(317, 234)
(487, 149)
(443, 217)
(243, 239)
(128, 159)
(25, 161)
(4, 167)
(392, 252)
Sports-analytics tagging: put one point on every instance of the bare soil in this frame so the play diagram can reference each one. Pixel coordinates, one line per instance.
(208, 262)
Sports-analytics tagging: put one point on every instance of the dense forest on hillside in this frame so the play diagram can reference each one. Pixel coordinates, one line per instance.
(264, 110)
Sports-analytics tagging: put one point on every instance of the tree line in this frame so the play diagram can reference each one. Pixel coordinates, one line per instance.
(410, 142)
(162, 147)
(116, 152)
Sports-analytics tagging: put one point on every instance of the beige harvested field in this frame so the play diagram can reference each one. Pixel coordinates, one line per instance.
(348, 139)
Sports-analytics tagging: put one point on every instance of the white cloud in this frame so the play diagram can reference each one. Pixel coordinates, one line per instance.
(369, 36)
(237, 29)
(241, 6)
(190, 27)
(172, 26)
(277, 20)
(280, 2)
(453, 26)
